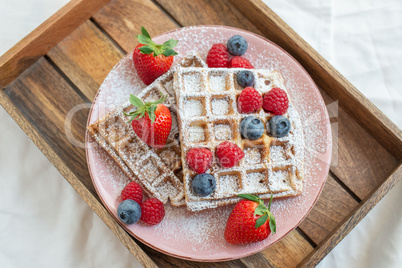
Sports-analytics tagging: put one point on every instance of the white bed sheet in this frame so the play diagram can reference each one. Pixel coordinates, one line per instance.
(45, 223)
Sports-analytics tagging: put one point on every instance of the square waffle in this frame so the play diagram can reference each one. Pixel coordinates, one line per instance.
(158, 171)
(208, 115)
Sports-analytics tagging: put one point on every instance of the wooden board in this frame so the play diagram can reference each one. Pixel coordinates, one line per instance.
(364, 166)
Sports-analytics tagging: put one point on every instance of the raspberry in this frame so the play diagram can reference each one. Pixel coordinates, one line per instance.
(229, 154)
(132, 191)
(199, 159)
(152, 211)
(218, 56)
(249, 101)
(239, 62)
(276, 101)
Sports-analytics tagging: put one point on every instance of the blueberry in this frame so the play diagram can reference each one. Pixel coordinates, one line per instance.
(203, 184)
(251, 128)
(237, 45)
(245, 79)
(129, 211)
(278, 126)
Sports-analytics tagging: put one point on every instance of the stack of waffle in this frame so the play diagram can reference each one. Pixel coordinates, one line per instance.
(207, 115)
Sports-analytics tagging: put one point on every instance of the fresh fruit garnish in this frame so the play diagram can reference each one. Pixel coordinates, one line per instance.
(203, 184)
(245, 78)
(151, 121)
(276, 101)
(150, 59)
(152, 211)
(132, 191)
(240, 62)
(229, 154)
(237, 45)
(250, 221)
(218, 56)
(129, 211)
(199, 159)
(249, 101)
(251, 128)
(278, 126)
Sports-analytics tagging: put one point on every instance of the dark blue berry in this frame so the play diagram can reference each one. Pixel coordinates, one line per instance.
(278, 126)
(237, 45)
(203, 184)
(251, 128)
(129, 211)
(245, 79)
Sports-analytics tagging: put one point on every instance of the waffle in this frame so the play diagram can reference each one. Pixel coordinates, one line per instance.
(208, 115)
(157, 170)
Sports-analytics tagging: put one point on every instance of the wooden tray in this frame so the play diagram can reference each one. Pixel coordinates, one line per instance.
(62, 63)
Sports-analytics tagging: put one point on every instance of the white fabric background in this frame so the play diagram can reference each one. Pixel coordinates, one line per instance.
(45, 223)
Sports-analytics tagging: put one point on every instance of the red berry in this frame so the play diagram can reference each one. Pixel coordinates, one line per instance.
(199, 159)
(152, 211)
(249, 101)
(240, 62)
(132, 191)
(276, 101)
(218, 56)
(229, 154)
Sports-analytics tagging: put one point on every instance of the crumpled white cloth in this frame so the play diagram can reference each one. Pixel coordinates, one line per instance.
(44, 222)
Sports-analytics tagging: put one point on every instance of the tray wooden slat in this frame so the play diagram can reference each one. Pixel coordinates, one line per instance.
(70, 74)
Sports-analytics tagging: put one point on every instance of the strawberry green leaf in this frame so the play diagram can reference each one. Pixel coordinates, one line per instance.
(171, 43)
(151, 113)
(135, 101)
(272, 223)
(144, 40)
(261, 220)
(145, 32)
(270, 201)
(146, 49)
(260, 210)
(250, 197)
(169, 52)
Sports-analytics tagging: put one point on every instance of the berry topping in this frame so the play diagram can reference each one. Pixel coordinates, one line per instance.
(153, 211)
(250, 221)
(151, 121)
(199, 159)
(229, 154)
(237, 45)
(249, 101)
(218, 56)
(251, 128)
(129, 211)
(150, 59)
(132, 191)
(245, 78)
(276, 101)
(203, 184)
(240, 62)
(278, 126)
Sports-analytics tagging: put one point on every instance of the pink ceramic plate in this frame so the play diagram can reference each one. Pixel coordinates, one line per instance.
(199, 236)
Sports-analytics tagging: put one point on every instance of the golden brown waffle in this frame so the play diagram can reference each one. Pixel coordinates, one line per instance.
(208, 115)
(157, 170)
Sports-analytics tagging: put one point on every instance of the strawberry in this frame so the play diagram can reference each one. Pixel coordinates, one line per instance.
(250, 221)
(152, 60)
(151, 121)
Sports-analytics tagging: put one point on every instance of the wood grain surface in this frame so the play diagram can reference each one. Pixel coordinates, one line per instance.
(44, 37)
(364, 166)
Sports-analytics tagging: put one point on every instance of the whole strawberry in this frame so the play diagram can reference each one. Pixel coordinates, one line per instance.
(150, 59)
(218, 56)
(199, 159)
(151, 121)
(132, 191)
(152, 211)
(250, 221)
(240, 62)
(276, 101)
(249, 101)
(229, 154)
